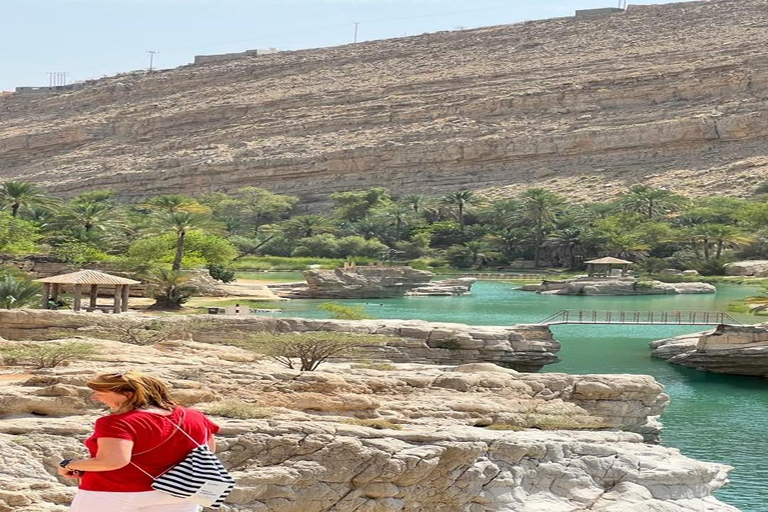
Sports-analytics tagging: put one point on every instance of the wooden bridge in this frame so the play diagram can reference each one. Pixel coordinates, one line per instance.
(575, 316)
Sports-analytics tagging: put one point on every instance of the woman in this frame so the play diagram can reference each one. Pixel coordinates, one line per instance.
(135, 443)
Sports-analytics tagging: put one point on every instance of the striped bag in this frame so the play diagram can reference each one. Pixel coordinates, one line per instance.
(199, 478)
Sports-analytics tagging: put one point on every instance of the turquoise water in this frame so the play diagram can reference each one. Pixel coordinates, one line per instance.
(711, 417)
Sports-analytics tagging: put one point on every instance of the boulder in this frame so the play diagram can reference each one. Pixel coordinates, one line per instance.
(357, 282)
(729, 349)
(757, 268)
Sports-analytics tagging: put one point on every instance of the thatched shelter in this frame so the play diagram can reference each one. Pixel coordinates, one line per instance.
(604, 266)
(94, 279)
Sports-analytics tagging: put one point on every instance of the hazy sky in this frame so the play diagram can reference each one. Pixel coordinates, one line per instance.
(93, 38)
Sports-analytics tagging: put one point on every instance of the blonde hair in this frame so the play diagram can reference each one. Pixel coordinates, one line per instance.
(141, 390)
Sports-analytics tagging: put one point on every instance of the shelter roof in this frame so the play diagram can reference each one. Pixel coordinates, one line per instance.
(610, 261)
(87, 277)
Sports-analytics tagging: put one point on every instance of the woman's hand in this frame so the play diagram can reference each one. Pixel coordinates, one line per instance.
(69, 474)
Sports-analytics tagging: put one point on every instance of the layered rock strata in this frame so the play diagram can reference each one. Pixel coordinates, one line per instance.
(522, 347)
(735, 350)
(458, 287)
(616, 286)
(358, 282)
(476, 438)
(669, 95)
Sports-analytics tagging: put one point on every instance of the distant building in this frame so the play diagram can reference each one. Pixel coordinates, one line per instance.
(598, 13)
(54, 89)
(202, 59)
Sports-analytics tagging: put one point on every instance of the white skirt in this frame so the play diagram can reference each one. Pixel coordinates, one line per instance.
(148, 501)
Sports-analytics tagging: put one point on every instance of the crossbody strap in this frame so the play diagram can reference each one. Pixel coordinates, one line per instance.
(178, 427)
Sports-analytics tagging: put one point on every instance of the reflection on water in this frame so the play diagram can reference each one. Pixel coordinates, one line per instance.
(711, 417)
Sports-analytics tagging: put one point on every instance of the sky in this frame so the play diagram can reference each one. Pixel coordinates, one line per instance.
(93, 38)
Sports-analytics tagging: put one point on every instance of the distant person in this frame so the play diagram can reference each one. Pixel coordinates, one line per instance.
(135, 443)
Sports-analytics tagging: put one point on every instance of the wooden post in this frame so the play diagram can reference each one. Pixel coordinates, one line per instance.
(55, 291)
(118, 296)
(126, 294)
(78, 297)
(46, 294)
(94, 295)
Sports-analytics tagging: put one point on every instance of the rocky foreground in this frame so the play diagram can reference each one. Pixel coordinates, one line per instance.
(734, 350)
(408, 438)
(521, 347)
(669, 95)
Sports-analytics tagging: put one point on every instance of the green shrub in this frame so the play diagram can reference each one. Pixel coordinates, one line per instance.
(18, 292)
(225, 275)
(449, 344)
(343, 312)
(459, 256)
(46, 354)
(239, 410)
(762, 188)
(293, 263)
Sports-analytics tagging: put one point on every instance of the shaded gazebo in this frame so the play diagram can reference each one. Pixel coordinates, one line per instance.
(94, 279)
(604, 266)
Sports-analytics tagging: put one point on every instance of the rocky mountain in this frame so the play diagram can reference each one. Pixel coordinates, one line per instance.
(672, 95)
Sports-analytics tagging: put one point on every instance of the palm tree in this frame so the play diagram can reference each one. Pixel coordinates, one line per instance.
(17, 293)
(650, 201)
(18, 193)
(414, 201)
(540, 208)
(173, 203)
(182, 223)
(565, 241)
(89, 218)
(462, 200)
(718, 235)
(479, 258)
(399, 215)
(305, 226)
(170, 289)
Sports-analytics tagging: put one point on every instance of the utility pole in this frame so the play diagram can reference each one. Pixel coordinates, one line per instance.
(151, 58)
(357, 24)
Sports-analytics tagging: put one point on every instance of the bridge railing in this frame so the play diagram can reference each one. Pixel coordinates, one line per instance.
(571, 316)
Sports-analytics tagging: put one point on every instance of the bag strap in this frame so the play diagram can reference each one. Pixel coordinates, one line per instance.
(178, 427)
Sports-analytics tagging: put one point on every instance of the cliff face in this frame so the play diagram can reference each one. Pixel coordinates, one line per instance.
(671, 95)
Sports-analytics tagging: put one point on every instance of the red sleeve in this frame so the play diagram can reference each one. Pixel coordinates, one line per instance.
(111, 427)
(211, 426)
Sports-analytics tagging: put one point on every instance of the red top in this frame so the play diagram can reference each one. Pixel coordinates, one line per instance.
(147, 430)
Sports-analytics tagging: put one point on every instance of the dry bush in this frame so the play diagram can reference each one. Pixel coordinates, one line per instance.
(47, 354)
(307, 350)
(141, 332)
(376, 424)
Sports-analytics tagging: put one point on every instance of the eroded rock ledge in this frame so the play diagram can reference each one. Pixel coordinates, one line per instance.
(522, 347)
(735, 350)
(616, 286)
(443, 446)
